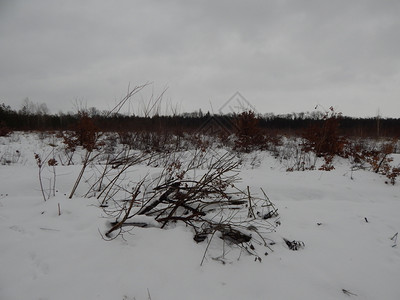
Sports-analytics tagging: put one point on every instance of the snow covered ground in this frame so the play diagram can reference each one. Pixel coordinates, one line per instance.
(346, 220)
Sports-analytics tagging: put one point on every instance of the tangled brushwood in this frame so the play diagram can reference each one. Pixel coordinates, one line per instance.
(210, 203)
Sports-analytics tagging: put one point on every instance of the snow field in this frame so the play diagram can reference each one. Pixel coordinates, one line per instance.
(345, 219)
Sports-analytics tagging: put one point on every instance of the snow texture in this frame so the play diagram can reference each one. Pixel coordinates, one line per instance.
(346, 220)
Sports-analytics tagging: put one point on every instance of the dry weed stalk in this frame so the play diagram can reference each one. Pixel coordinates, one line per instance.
(41, 163)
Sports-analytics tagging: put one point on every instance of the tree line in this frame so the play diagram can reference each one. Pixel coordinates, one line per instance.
(37, 118)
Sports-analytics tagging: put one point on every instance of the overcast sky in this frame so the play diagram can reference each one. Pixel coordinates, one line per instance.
(282, 56)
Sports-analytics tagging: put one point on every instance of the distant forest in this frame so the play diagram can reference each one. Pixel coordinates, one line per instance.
(38, 119)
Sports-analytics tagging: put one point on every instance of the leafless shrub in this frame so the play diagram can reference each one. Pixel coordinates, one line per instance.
(127, 138)
(294, 158)
(9, 156)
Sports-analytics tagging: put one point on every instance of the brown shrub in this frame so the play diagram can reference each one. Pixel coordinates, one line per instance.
(4, 130)
(84, 133)
(323, 138)
(248, 133)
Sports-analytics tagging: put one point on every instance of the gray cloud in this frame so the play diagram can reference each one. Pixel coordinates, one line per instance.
(283, 56)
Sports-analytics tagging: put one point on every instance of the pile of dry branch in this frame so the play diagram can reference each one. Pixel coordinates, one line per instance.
(210, 203)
